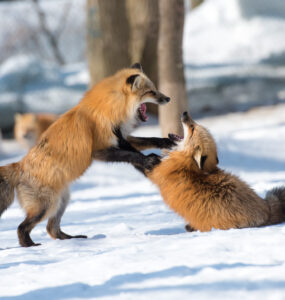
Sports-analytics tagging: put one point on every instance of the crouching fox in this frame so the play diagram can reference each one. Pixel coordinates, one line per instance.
(204, 195)
(29, 127)
(66, 149)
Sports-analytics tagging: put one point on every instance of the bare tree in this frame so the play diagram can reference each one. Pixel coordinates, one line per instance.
(94, 43)
(115, 35)
(108, 35)
(170, 65)
(52, 37)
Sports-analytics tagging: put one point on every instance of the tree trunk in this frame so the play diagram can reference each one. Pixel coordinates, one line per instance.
(115, 35)
(94, 50)
(107, 38)
(170, 65)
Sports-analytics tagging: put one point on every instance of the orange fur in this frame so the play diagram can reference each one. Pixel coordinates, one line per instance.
(204, 195)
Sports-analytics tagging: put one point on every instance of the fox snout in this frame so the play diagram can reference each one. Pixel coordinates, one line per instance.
(186, 118)
(162, 99)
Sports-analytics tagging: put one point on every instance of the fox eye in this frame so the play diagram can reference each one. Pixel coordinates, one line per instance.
(192, 128)
(151, 93)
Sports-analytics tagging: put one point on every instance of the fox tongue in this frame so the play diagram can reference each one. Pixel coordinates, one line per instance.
(143, 112)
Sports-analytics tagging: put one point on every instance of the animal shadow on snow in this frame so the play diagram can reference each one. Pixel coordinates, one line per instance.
(117, 284)
(166, 231)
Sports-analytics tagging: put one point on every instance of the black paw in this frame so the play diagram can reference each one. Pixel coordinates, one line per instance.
(189, 228)
(168, 143)
(151, 161)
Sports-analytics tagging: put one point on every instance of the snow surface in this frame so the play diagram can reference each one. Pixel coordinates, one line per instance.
(137, 247)
(218, 33)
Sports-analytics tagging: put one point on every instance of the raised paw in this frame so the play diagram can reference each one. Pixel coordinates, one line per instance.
(168, 143)
(151, 161)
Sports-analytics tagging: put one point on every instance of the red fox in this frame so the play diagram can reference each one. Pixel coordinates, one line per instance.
(66, 149)
(29, 127)
(204, 195)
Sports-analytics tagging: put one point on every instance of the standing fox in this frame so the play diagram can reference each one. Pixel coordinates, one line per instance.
(67, 147)
(29, 127)
(204, 195)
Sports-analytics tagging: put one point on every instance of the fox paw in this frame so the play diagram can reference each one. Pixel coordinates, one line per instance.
(189, 228)
(168, 143)
(151, 161)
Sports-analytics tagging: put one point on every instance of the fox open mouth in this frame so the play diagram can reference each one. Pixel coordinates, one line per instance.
(175, 137)
(142, 113)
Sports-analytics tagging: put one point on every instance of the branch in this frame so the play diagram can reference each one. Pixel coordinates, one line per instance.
(49, 35)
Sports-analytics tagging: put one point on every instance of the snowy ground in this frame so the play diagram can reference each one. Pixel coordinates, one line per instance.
(137, 248)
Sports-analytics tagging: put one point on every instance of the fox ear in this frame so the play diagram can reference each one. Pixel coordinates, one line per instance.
(137, 66)
(199, 158)
(135, 81)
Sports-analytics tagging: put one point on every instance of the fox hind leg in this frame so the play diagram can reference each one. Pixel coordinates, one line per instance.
(53, 226)
(25, 228)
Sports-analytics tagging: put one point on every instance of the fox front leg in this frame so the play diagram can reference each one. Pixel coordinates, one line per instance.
(143, 143)
(137, 159)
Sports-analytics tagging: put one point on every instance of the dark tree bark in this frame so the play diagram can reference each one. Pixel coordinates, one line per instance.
(94, 50)
(170, 65)
(115, 35)
(107, 38)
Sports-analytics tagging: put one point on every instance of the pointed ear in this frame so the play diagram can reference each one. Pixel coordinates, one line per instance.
(199, 158)
(135, 81)
(137, 66)
(17, 117)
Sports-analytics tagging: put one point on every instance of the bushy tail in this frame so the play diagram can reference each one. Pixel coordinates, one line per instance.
(9, 177)
(276, 201)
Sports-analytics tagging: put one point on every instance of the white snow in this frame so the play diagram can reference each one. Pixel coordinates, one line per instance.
(137, 247)
(218, 33)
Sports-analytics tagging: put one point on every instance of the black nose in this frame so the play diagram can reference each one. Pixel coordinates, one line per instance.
(185, 117)
(167, 99)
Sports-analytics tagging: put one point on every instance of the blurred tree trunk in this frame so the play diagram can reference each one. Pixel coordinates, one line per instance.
(94, 50)
(116, 32)
(170, 65)
(107, 38)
